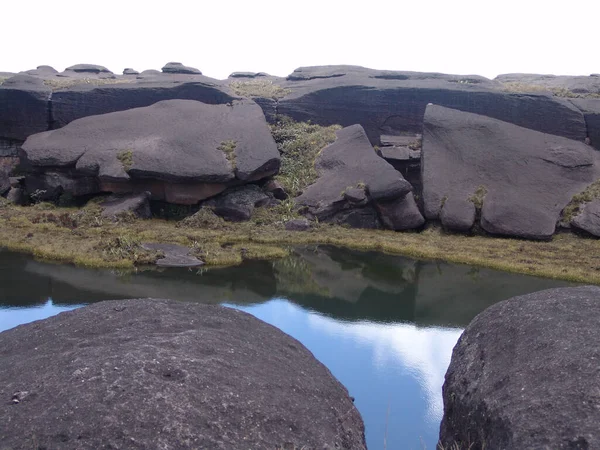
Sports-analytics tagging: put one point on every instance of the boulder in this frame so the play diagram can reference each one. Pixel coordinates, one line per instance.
(458, 214)
(42, 71)
(24, 107)
(173, 255)
(50, 185)
(588, 218)
(248, 75)
(393, 103)
(176, 67)
(166, 374)
(298, 225)
(88, 68)
(182, 151)
(9, 147)
(237, 204)
(7, 165)
(350, 163)
(276, 189)
(130, 71)
(16, 196)
(88, 99)
(119, 205)
(591, 112)
(524, 375)
(520, 178)
(400, 214)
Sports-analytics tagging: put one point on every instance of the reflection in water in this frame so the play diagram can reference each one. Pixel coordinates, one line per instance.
(384, 325)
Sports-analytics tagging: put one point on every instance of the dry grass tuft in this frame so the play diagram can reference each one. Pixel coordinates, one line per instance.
(64, 83)
(592, 192)
(259, 89)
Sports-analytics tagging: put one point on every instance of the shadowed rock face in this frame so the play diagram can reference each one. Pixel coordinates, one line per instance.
(187, 144)
(588, 218)
(350, 163)
(157, 373)
(524, 374)
(591, 112)
(390, 102)
(522, 177)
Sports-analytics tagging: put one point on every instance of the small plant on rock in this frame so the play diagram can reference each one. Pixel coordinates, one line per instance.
(126, 158)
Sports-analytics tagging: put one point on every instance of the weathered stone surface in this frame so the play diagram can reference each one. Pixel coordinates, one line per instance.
(248, 75)
(524, 374)
(7, 165)
(348, 163)
(16, 196)
(88, 68)
(163, 374)
(48, 186)
(136, 204)
(174, 255)
(88, 100)
(42, 71)
(591, 112)
(527, 177)
(298, 225)
(24, 107)
(276, 189)
(458, 214)
(237, 204)
(130, 71)
(176, 67)
(356, 196)
(176, 142)
(389, 103)
(588, 218)
(9, 147)
(400, 214)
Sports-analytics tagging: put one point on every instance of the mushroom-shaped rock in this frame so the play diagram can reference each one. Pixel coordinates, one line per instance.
(176, 67)
(88, 68)
(164, 374)
(588, 218)
(350, 163)
(520, 178)
(129, 71)
(191, 149)
(524, 375)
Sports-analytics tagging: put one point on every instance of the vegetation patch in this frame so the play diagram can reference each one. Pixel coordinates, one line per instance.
(592, 192)
(525, 88)
(416, 144)
(258, 89)
(228, 148)
(205, 218)
(64, 83)
(478, 197)
(299, 144)
(126, 158)
(2, 80)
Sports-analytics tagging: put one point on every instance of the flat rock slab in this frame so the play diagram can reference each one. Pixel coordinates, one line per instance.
(525, 374)
(175, 255)
(148, 374)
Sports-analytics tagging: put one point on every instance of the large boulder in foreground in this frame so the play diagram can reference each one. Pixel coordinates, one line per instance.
(182, 151)
(353, 181)
(520, 178)
(525, 375)
(162, 374)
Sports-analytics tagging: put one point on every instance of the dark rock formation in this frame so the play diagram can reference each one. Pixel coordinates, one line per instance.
(350, 163)
(17, 196)
(588, 218)
(181, 151)
(276, 189)
(298, 225)
(24, 107)
(88, 68)
(524, 374)
(521, 179)
(7, 165)
(400, 214)
(130, 71)
(237, 204)
(591, 112)
(458, 214)
(119, 205)
(176, 67)
(248, 75)
(157, 373)
(42, 71)
(173, 255)
(387, 102)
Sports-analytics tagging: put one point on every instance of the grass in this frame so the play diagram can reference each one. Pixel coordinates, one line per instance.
(228, 148)
(477, 198)
(2, 80)
(525, 88)
(88, 240)
(259, 89)
(126, 158)
(64, 83)
(299, 144)
(592, 192)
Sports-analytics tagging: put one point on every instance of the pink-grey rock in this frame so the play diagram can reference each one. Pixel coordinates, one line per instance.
(588, 218)
(458, 214)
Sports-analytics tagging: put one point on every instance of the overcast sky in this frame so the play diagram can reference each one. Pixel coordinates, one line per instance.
(220, 37)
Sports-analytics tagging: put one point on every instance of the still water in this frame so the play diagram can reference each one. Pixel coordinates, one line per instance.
(384, 325)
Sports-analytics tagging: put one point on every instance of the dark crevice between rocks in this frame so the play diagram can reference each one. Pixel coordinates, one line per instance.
(50, 113)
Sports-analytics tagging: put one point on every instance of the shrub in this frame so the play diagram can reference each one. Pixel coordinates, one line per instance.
(126, 158)
(228, 148)
(478, 197)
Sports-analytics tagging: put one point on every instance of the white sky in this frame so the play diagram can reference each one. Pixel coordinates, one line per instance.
(222, 36)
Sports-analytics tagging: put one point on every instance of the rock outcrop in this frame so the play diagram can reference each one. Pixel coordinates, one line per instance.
(524, 374)
(520, 179)
(390, 102)
(591, 112)
(156, 373)
(7, 165)
(118, 206)
(237, 204)
(177, 67)
(588, 218)
(181, 151)
(350, 165)
(583, 85)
